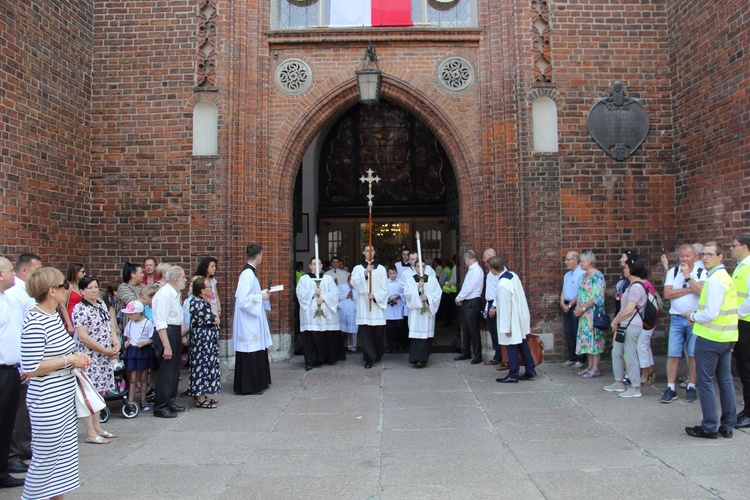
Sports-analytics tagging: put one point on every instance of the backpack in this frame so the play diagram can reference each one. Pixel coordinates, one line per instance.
(698, 271)
(651, 312)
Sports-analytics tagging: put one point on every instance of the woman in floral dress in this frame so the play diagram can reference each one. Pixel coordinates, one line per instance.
(590, 340)
(96, 339)
(205, 371)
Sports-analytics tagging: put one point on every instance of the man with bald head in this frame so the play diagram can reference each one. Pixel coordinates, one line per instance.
(568, 300)
(10, 381)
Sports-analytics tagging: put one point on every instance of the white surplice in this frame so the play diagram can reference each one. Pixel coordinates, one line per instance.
(250, 327)
(374, 316)
(308, 303)
(422, 324)
(512, 310)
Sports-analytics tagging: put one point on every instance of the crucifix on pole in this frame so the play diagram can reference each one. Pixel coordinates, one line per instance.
(369, 180)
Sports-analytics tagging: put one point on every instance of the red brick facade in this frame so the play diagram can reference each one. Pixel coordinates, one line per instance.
(96, 132)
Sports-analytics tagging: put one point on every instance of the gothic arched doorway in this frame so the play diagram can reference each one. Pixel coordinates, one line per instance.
(418, 190)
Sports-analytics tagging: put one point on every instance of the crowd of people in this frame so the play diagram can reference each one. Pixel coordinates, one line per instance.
(709, 320)
(52, 324)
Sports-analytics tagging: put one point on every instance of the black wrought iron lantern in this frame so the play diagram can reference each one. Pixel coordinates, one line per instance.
(369, 78)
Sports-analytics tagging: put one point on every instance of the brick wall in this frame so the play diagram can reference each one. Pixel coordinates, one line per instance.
(708, 45)
(105, 156)
(45, 137)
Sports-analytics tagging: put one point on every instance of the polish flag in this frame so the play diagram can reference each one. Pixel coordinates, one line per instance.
(350, 13)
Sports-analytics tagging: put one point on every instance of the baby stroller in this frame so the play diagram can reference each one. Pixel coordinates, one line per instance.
(120, 392)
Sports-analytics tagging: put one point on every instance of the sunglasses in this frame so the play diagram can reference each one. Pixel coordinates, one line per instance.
(65, 284)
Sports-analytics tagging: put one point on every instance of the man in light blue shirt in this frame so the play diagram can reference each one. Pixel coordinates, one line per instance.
(568, 299)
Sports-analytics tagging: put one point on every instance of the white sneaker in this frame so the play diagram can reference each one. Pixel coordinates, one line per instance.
(578, 365)
(614, 387)
(630, 393)
(568, 363)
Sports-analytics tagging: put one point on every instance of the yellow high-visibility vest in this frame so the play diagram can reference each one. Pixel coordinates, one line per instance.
(724, 327)
(740, 284)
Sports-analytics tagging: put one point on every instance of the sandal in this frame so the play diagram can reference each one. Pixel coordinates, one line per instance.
(97, 440)
(592, 374)
(108, 435)
(584, 372)
(206, 403)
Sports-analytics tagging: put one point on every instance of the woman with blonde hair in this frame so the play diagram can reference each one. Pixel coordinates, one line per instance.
(48, 357)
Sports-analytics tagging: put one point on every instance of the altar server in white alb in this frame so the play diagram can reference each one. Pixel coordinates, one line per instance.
(423, 295)
(318, 317)
(513, 321)
(348, 313)
(371, 305)
(252, 336)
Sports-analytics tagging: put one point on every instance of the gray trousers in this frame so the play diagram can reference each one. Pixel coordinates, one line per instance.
(630, 349)
(714, 360)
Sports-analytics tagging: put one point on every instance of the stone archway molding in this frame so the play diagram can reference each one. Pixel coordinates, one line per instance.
(332, 97)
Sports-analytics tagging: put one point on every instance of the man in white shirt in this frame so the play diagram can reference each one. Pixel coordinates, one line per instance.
(168, 322)
(469, 300)
(10, 383)
(20, 448)
(337, 271)
(682, 288)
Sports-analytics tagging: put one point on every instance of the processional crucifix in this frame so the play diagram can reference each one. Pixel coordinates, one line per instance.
(369, 180)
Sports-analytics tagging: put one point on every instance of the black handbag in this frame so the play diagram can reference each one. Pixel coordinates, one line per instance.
(601, 319)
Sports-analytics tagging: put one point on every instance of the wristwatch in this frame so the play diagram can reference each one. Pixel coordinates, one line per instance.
(688, 279)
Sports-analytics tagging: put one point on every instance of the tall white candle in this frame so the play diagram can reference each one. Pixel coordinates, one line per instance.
(419, 255)
(317, 259)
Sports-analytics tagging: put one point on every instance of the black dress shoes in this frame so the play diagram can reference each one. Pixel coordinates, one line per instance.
(308, 367)
(507, 380)
(419, 364)
(527, 376)
(723, 432)
(462, 357)
(743, 421)
(176, 408)
(19, 468)
(476, 361)
(165, 413)
(368, 364)
(11, 482)
(700, 432)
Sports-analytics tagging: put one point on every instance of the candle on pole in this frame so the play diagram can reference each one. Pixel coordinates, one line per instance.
(369, 180)
(419, 255)
(317, 259)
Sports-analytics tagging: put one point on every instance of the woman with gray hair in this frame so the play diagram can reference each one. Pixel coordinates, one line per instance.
(589, 339)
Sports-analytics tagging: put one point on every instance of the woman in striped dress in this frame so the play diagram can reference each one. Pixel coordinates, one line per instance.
(47, 357)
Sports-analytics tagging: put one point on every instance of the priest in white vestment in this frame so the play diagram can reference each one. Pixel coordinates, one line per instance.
(318, 317)
(371, 305)
(513, 321)
(252, 335)
(423, 295)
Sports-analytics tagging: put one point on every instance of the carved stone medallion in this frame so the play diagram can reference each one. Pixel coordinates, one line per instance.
(293, 76)
(618, 123)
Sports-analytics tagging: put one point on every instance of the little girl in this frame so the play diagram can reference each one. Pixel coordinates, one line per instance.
(138, 354)
(147, 295)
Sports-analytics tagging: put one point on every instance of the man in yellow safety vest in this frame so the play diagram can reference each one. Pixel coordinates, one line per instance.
(716, 331)
(741, 278)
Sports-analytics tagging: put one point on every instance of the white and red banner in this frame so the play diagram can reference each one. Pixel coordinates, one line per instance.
(350, 13)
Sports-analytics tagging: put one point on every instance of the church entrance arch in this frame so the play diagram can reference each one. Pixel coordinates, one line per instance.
(417, 192)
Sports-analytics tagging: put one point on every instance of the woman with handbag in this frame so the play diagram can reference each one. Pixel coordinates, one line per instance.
(97, 340)
(205, 369)
(625, 340)
(589, 340)
(47, 358)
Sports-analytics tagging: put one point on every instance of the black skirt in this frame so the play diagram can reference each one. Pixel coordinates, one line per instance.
(419, 350)
(252, 372)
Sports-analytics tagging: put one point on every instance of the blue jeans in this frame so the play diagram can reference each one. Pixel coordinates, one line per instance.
(680, 335)
(714, 359)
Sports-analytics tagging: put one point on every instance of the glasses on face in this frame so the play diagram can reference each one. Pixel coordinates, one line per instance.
(704, 255)
(733, 245)
(65, 284)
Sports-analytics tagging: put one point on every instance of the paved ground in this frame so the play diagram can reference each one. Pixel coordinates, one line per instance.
(447, 431)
